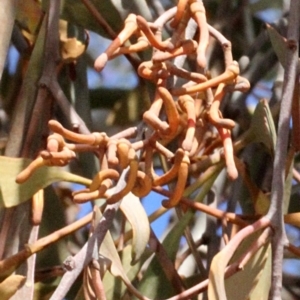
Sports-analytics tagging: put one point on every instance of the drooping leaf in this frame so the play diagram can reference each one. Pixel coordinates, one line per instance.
(248, 279)
(278, 44)
(261, 287)
(27, 95)
(111, 259)
(10, 285)
(74, 11)
(262, 126)
(155, 284)
(137, 217)
(115, 286)
(262, 203)
(12, 194)
(219, 289)
(113, 11)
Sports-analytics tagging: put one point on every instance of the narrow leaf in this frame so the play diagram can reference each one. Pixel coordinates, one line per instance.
(12, 194)
(262, 126)
(114, 286)
(155, 284)
(111, 258)
(218, 289)
(247, 280)
(137, 217)
(278, 43)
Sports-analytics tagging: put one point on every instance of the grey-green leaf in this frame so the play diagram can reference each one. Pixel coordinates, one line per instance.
(262, 126)
(278, 44)
(12, 194)
(155, 284)
(137, 217)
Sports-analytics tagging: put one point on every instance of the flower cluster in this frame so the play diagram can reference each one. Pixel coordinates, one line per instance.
(185, 109)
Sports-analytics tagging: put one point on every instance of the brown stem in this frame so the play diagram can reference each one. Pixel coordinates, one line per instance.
(214, 113)
(181, 6)
(156, 43)
(198, 12)
(180, 185)
(95, 138)
(184, 48)
(128, 186)
(130, 27)
(96, 280)
(171, 111)
(228, 153)
(231, 72)
(170, 174)
(187, 104)
(231, 217)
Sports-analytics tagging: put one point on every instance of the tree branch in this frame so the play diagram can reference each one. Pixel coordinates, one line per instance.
(85, 255)
(275, 213)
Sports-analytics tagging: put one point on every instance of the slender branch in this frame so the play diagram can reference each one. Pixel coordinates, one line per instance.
(166, 264)
(66, 107)
(85, 255)
(231, 217)
(275, 213)
(96, 280)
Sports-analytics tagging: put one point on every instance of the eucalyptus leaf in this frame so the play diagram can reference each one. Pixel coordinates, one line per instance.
(110, 257)
(248, 279)
(75, 12)
(278, 44)
(262, 126)
(112, 11)
(135, 213)
(155, 284)
(27, 96)
(114, 286)
(12, 194)
(218, 289)
(261, 289)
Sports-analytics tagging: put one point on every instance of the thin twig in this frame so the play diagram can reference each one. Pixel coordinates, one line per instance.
(85, 255)
(231, 217)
